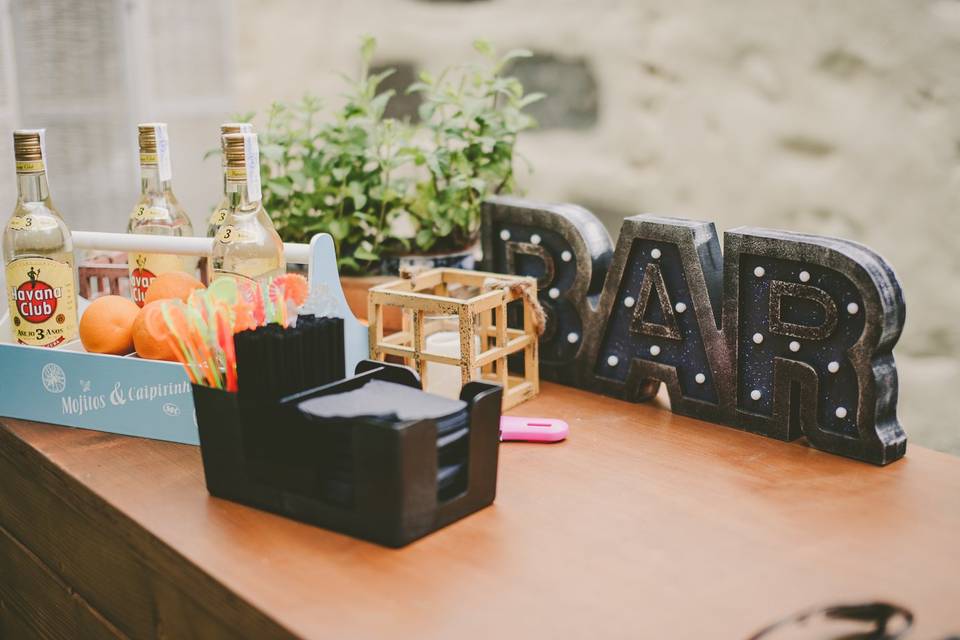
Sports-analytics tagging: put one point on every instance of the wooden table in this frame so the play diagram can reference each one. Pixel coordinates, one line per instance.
(641, 525)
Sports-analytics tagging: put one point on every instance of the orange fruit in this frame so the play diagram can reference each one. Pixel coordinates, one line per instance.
(172, 284)
(107, 325)
(148, 344)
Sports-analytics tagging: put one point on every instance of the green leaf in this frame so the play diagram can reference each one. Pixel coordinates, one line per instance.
(418, 87)
(299, 179)
(436, 162)
(513, 55)
(444, 227)
(273, 152)
(377, 78)
(530, 98)
(368, 45)
(279, 188)
(426, 111)
(356, 193)
(339, 229)
(363, 254)
(483, 47)
(379, 103)
(348, 265)
(425, 238)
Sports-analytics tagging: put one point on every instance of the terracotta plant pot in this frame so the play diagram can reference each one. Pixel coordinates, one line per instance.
(355, 290)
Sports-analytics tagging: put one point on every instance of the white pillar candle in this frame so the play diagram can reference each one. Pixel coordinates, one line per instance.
(444, 379)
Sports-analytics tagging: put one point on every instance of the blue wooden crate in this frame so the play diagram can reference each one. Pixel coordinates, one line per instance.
(130, 396)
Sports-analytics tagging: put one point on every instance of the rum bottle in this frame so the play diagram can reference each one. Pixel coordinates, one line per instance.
(156, 213)
(247, 245)
(38, 253)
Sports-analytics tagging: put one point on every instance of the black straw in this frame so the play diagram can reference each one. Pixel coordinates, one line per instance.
(274, 362)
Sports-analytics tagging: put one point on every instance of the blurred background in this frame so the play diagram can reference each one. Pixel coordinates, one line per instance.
(822, 116)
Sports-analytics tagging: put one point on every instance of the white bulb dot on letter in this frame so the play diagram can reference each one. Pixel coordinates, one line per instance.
(759, 272)
(628, 302)
(504, 235)
(841, 412)
(700, 378)
(794, 346)
(572, 337)
(680, 307)
(655, 350)
(853, 308)
(613, 361)
(757, 338)
(554, 293)
(655, 254)
(535, 239)
(833, 366)
(804, 276)
(755, 394)
(566, 256)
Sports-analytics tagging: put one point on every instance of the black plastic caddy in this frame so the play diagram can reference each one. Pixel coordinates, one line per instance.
(388, 481)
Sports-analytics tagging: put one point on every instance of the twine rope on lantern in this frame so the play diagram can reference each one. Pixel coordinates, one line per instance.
(527, 289)
(409, 272)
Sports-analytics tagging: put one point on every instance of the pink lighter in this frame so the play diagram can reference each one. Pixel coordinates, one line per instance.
(533, 429)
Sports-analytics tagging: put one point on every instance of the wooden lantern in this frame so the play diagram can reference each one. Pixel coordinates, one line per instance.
(477, 302)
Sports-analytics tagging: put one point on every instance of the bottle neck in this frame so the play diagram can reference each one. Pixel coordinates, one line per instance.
(32, 187)
(150, 182)
(236, 193)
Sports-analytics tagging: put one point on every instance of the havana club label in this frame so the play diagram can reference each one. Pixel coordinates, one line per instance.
(144, 267)
(43, 303)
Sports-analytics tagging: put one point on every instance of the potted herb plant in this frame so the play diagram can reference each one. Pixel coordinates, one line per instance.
(391, 191)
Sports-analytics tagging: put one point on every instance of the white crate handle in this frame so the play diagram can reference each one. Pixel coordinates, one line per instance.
(293, 252)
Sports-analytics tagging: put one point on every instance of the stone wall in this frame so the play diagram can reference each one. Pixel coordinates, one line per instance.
(822, 116)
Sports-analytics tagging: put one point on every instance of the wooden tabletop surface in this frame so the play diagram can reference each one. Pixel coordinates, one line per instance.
(641, 524)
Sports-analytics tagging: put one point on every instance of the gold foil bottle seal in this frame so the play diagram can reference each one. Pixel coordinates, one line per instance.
(155, 147)
(147, 136)
(234, 156)
(241, 155)
(231, 127)
(28, 150)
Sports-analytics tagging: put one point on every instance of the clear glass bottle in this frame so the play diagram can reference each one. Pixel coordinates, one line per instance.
(246, 245)
(156, 213)
(40, 271)
(219, 214)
